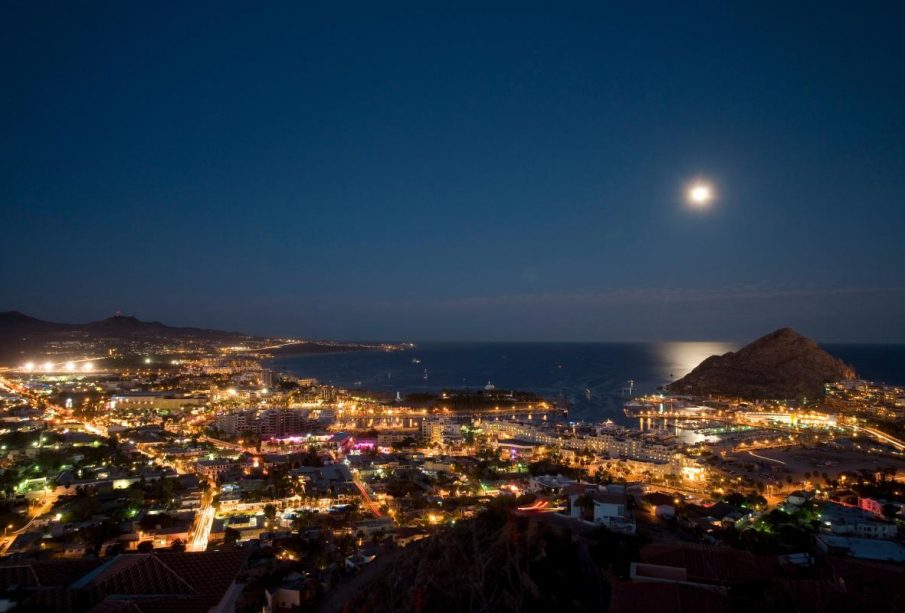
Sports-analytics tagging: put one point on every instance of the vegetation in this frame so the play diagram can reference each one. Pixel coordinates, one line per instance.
(498, 562)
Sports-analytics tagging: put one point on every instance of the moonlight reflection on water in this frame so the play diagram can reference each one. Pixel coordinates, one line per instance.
(682, 357)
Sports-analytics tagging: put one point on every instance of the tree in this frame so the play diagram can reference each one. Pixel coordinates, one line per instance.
(231, 537)
(270, 512)
(586, 503)
(302, 521)
(406, 442)
(145, 547)
(177, 545)
(602, 476)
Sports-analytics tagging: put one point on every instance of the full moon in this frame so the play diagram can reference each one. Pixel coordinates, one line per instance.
(700, 194)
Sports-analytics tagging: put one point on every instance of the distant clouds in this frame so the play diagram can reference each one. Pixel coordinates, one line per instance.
(649, 295)
(736, 313)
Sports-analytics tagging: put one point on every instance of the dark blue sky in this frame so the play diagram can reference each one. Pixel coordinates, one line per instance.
(405, 171)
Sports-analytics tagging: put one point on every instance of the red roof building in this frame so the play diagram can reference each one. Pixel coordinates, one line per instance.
(165, 582)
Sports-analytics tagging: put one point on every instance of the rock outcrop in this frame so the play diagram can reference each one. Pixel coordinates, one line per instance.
(780, 365)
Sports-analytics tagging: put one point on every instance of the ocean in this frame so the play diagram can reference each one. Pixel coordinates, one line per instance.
(595, 378)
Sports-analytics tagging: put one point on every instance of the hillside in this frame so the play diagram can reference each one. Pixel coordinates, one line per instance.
(491, 563)
(781, 365)
(21, 334)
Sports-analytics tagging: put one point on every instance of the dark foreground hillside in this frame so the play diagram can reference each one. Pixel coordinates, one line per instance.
(505, 562)
(493, 563)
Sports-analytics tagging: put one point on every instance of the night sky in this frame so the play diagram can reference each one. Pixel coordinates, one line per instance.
(405, 171)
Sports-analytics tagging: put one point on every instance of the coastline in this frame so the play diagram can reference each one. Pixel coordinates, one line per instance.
(591, 377)
(304, 348)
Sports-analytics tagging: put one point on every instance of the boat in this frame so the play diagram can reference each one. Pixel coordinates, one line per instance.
(630, 389)
(666, 408)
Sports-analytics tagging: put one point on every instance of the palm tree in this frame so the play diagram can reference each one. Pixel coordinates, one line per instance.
(586, 503)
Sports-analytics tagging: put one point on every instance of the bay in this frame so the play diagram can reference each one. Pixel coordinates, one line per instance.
(596, 379)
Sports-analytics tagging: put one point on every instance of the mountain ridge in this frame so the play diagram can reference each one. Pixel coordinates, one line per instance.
(12, 318)
(21, 333)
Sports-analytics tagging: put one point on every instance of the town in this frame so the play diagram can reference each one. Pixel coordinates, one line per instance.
(293, 489)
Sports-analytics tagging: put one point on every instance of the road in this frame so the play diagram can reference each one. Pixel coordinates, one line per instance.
(203, 523)
(365, 495)
(898, 444)
(688, 492)
(227, 445)
(45, 506)
(763, 457)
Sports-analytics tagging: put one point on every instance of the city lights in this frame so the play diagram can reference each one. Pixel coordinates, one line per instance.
(249, 443)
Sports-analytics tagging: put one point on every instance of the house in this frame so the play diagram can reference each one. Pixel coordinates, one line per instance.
(409, 534)
(717, 515)
(342, 442)
(437, 466)
(162, 537)
(861, 548)
(370, 527)
(871, 505)
(320, 479)
(610, 510)
(877, 529)
(357, 561)
(660, 504)
(214, 468)
(575, 492)
(798, 498)
(704, 564)
(140, 583)
(850, 520)
(289, 595)
(515, 449)
(609, 507)
(552, 483)
(725, 513)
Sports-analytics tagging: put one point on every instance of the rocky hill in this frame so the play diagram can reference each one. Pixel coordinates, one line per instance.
(780, 365)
